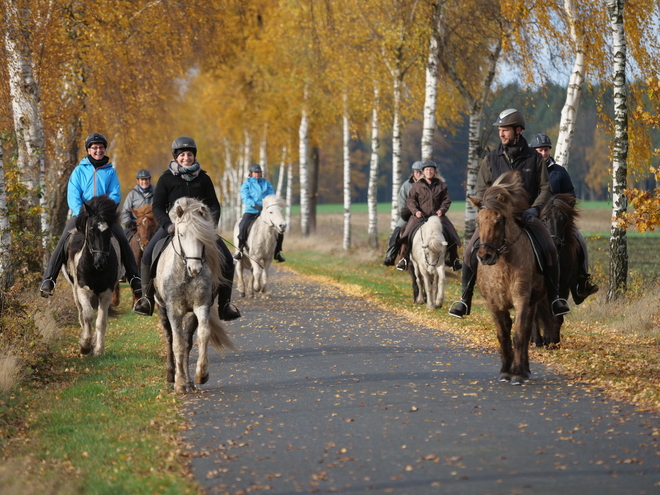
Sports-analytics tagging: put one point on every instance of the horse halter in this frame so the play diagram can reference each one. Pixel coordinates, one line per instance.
(93, 251)
(143, 245)
(270, 222)
(505, 244)
(182, 254)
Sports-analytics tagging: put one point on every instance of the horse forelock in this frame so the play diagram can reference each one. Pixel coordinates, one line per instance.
(273, 199)
(100, 209)
(562, 204)
(432, 232)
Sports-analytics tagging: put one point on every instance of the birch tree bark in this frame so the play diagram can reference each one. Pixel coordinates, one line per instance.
(372, 190)
(247, 153)
(289, 192)
(574, 90)
(346, 243)
(303, 160)
(24, 91)
(282, 174)
(5, 233)
(618, 237)
(263, 151)
(431, 90)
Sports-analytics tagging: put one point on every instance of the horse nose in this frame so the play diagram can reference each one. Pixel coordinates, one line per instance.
(194, 268)
(100, 260)
(283, 227)
(487, 259)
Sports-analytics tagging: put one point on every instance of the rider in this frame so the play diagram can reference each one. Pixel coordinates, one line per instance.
(560, 183)
(253, 192)
(184, 178)
(142, 194)
(93, 176)
(513, 153)
(404, 214)
(429, 196)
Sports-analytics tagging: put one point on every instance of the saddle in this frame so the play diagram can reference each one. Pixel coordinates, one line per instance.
(158, 250)
(248, 228)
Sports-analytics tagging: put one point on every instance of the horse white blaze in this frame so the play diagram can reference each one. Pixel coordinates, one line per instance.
(191, 249)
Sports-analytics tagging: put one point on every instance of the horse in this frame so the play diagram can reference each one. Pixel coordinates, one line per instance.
(508, 277)
(428, 259)
(559, 216)
(93, 268)
(186, 281)
(145, 228)
(260, 247)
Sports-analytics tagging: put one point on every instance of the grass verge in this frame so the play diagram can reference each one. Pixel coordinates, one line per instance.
(102, 425)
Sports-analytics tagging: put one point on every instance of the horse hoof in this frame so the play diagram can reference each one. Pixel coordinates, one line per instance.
(517, 380)
(180, 389)
(504, 377)
(242, 294)
(202, 379)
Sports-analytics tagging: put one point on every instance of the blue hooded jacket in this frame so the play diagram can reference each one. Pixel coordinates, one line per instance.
(253, 191)
(86, 182)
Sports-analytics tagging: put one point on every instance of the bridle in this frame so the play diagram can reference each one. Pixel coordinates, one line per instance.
(182, 255)
(91, 250)
(143, 245)
(269, 222)
(505, 244)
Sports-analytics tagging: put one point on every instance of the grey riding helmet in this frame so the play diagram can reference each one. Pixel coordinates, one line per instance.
(510, 118)
(183, 143)
(417, 166)
(541, 141)
(143, 174)
(255, 167)
(95, 138)
(429, 163)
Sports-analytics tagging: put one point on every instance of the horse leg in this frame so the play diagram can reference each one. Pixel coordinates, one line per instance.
(86, 316)
(440, 286)
(430, 289)
(105, 299)
(180, 350)
(421, 288)
(240, 282)
(203, 336)
(525, 314)
(167, 332)
(256, 278)
(503, 324)
(264, 277)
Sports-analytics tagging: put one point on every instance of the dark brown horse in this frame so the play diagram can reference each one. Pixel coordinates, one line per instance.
(508, 276)
(146, 227)
(559, 216)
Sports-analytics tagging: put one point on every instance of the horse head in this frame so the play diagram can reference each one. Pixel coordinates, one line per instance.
(146, 225)
(559, 216)
(272, 213)
(94, 221)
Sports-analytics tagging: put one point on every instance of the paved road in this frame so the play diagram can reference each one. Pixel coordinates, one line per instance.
(328, 395)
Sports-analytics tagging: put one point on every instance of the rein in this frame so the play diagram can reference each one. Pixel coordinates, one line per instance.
(505, 244)
(182, 255)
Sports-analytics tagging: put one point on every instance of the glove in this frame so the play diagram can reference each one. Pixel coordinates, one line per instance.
(258, 207)
(482, 152)
(529, 214)
(170, 228)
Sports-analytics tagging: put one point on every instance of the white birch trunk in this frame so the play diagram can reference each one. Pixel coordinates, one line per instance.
(5, 233)
(289, 192)
(247, 153)
(618, 237)
(574, 90)
(303, 154)
(431, 92)
(263, 152)
(347, 178)
(282, 174)
(372, 191)
(28, 122)
(474, 138)
(396, 151)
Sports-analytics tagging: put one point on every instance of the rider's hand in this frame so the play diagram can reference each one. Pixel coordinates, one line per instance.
(439, 213)
(529, 214)
(258, 207)
(418, 214)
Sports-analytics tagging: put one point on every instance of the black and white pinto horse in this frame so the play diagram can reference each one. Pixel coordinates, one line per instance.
(187, 279)
(93, 268)
(260, 247)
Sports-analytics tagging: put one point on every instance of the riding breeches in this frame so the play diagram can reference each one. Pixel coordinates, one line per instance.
(243, 226)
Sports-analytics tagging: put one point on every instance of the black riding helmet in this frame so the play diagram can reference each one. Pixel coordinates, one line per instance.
(95, 138)
(510, 118)
(183, 143)
(255, 167)
(541, 141)
(143, 174)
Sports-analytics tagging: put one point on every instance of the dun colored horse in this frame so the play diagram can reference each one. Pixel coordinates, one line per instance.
(428, 260)
(187, 279)
(93, 268)
(508, 277)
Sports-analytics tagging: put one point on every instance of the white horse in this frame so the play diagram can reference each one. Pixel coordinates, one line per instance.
(428, 259)
(260, 246)
(187, 279)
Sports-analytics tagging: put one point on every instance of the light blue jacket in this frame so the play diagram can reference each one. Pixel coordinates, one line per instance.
(86, 182)
(253, 191)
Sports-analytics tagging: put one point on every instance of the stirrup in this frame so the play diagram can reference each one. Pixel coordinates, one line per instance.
(402, 265)
(562, 307)
(138, 309)
(459, 309)
(47, 291)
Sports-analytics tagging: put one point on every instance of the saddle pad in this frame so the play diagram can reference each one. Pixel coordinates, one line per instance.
(158, 249)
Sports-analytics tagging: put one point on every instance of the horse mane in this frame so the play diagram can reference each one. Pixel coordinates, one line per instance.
(197, 216)
(101, 208)
(507, 195)
(273, 199)
(565, 204)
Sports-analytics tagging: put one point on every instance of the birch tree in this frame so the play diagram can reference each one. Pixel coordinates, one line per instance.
(303, 167)
(618, 237)
(5, 233)
(282, 175)
(346, 139)
(372, 190)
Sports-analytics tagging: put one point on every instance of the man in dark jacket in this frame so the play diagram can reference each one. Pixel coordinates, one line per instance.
(513, 153)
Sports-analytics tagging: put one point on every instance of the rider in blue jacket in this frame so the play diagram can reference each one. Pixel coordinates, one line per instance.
(93, 176)
(253, 192)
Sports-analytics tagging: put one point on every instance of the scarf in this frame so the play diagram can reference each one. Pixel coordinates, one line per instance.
(186, 173)
(98, 163)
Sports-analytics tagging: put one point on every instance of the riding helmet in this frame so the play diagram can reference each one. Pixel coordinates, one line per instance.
(419, 166)
(541, 141)
(429, 163)
(143, 174)
(183, 143)
(255, 167)
(95, 138)
(510, 118)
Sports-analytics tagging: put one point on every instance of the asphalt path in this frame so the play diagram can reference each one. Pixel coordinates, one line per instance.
(328, 394)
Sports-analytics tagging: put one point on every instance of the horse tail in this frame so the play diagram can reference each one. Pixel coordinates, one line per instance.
(219, 336)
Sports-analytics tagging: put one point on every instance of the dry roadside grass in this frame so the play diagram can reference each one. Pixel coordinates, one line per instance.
(614, 346)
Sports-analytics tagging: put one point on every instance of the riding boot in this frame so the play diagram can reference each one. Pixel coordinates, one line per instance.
(392, 248)
(454, 260)
(128, 260)
(462, 308)
(145, 305)
(558, 305)
(54, 265)
(238, 255)
(278, 249)
(226, 310)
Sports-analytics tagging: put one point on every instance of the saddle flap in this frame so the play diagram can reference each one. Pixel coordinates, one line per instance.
(158, 249)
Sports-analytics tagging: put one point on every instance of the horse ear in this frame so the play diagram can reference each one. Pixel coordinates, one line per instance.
(475, 201)
(501, 198)
(179, 211)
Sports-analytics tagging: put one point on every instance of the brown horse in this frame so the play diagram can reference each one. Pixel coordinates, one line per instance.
(146, 227)
(559, 216)
(508, 277)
